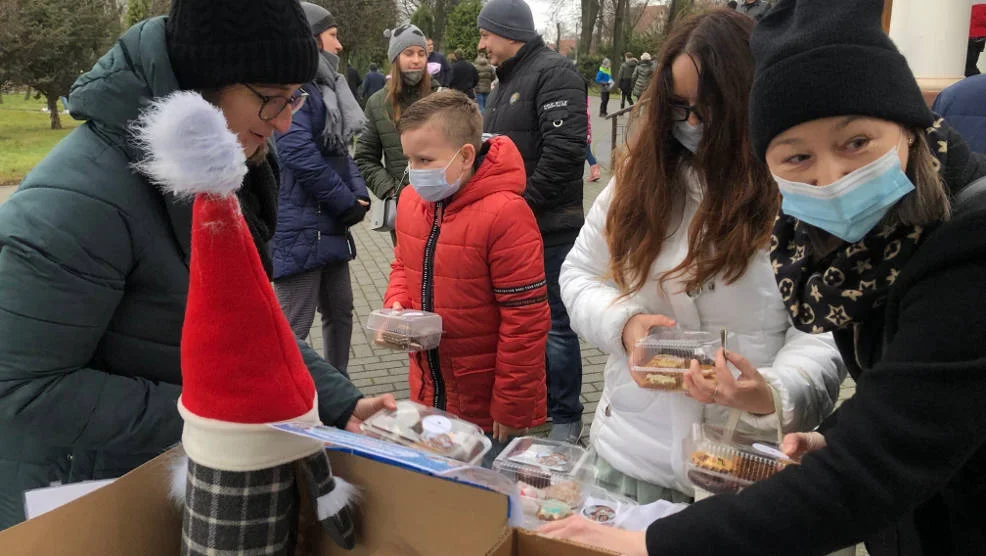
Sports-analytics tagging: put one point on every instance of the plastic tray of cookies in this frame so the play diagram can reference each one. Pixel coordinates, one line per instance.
(659, 361)
(405, 329)
(721, 465)
(552, 476)
(429, 429)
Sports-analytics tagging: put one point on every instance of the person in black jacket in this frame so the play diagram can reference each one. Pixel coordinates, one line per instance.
(540, 104)
(373, 82)
(444, 70)
(464, 75)
(354, 80)
(895, 272)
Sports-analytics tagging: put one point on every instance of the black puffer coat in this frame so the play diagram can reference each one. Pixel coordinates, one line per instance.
(540, 104)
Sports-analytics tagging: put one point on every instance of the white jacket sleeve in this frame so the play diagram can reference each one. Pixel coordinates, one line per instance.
(806, 373)
(591, 298)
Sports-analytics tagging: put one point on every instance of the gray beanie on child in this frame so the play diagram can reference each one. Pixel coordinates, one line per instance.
(510, 19)
(404, 37)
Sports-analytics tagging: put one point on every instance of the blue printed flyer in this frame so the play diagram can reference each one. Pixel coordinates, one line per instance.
(415, 460)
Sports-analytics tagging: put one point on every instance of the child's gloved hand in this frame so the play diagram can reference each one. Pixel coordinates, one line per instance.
(503, 433)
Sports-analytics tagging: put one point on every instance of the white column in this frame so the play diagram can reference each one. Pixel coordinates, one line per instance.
(933, 36)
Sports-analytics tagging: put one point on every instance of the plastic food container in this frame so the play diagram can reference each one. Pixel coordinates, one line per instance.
(431, 430)
(405, 330)
(659, 361)
(720, 466)
(552, 476)
(605, 507)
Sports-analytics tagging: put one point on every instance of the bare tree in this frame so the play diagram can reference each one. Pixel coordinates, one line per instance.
(619, 27)
(590, 15)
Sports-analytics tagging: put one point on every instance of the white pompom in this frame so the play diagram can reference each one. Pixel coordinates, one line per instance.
(344, 494)
(188, 147)
(387, 33)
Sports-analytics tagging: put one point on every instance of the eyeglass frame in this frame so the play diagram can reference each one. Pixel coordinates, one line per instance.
(689, 110)
(302, 96)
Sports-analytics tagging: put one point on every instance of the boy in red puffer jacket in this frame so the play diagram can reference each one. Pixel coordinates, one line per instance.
(469, 249)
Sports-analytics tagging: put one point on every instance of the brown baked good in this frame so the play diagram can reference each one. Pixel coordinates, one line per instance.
(568, 492)
(718, 464)
(401, 342)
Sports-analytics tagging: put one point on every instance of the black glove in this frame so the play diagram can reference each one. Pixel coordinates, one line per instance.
(354, 214)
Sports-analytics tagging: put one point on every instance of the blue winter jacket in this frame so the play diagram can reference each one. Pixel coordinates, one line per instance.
(963, 106)
(317, 190)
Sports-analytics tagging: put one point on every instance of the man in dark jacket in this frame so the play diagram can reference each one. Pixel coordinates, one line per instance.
(465, 76)
(444, 70)
(373, 82)
(321, 196)
(353, 79)
(540, 104)
(626, 79)
(94, 258)
(963, 105)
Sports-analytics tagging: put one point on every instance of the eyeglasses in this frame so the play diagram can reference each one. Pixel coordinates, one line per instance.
(681, 113)
(272, 106)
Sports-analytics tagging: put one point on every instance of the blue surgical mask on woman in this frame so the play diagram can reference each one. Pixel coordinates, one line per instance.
(431, 183)
(852, 206)
(688, 135)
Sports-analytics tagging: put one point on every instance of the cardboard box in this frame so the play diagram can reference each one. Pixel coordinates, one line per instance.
(404, 511)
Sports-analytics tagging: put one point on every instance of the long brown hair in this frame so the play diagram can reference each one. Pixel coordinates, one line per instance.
(396, 88)
(740, 199)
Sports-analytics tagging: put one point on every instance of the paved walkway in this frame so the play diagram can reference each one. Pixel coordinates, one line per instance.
(376, 371)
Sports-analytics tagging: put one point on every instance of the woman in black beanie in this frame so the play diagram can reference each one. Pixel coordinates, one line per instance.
(882, 241)
(94, 256)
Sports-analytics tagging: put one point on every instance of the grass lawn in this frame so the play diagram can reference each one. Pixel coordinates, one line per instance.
(26, 135)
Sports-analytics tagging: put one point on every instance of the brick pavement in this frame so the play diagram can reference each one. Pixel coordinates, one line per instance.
(377, 371)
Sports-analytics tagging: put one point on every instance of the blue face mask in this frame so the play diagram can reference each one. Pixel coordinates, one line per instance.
(688, 135)
(431, 183)
(852, 206)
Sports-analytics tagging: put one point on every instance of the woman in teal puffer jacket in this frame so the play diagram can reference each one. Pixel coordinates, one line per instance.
(94, 258)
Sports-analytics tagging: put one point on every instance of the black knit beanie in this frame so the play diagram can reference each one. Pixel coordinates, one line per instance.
(214, 43)
(819, 59)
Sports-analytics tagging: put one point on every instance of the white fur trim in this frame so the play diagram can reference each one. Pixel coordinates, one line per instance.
(188, 147)
(179, 479)
(244, 447)
(344, 494)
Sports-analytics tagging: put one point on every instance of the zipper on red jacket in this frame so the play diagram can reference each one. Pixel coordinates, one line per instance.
(428, 302)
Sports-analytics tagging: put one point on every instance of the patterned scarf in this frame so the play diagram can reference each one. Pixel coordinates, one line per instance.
(828, 284)
(828, 292)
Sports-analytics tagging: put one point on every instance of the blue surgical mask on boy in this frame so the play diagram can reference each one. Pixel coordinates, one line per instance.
(688, 135)
(852, 206)
(431, 183)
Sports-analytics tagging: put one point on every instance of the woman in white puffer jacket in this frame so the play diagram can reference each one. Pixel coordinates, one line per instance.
(713, 204)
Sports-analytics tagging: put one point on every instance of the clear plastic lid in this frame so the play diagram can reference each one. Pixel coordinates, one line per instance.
(546, 470)
(720, 465)
(429, 429)
(659, 361)
(405, 329)
(605, 507)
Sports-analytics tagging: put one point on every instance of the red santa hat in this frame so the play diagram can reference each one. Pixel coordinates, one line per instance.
(241, 366)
